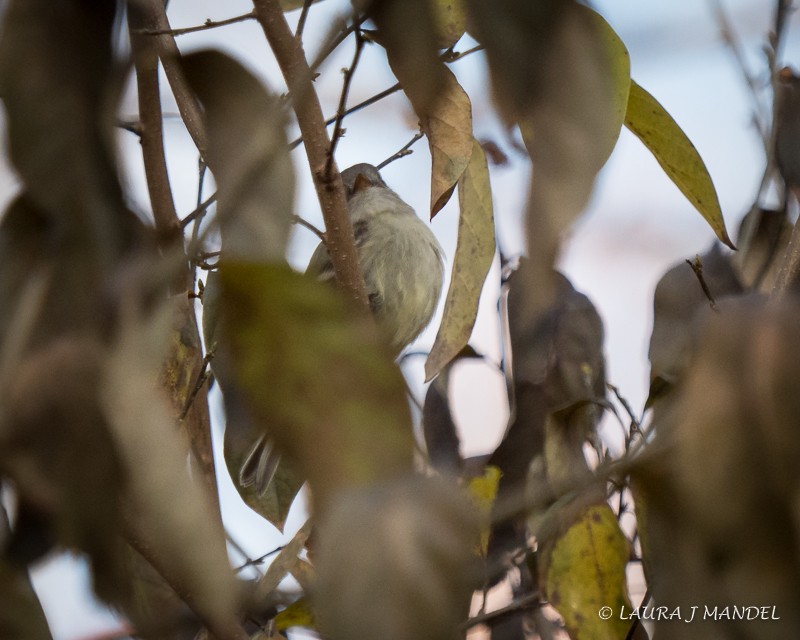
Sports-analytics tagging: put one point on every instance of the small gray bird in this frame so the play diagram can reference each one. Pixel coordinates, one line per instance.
(403, 267)
(400, 257)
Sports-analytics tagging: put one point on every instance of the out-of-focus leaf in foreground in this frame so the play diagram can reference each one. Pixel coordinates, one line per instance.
(729, 429)
(248, 155)
(570, 130)
(21, 615)
(583, 570)
(450, 19)
(397, 562)
(676, 154)
(315, 374)
(474, 254)
(184, 544)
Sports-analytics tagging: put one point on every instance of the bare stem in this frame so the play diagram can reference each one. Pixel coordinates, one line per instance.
(301, 23)
(208, 24)
(697, 267)
(330, 190)
(404, 151)
(340, 111)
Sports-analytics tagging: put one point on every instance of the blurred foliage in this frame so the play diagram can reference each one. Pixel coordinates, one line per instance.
(103, 379)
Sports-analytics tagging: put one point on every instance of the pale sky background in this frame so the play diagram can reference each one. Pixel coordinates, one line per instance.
(637, 225)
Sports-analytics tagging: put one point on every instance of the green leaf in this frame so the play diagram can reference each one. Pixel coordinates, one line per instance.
(676, 154)
(584, 571)
(315, 374)
(474, 255)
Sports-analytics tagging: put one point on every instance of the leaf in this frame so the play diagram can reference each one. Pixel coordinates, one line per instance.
(583, 570)
(21, 615)
(407, 31)
(517, 36)
(450, 19)
(185, 545)
(569, 130)
(248, 153)
(651, 123)
(438, 428)
(297, 614)
(291, 5)
(315, 374)
(394, 561)
(483, 491)
(282, 564)
(448, 128)
(474, 254)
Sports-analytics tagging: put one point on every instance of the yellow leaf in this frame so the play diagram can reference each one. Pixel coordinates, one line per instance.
(474, 255)
(483, 491)
(483, 488)
(676, 154)
(449, 131)
(297, 614)
(584, 571)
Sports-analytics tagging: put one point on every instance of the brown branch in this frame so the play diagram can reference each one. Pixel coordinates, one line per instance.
(338, 132)
(697, 267)
(197, 420)
(332, 42)
(532, 600)
(301, 22)
(330, 190)
(404, 151)
(170, 56)
(305, 223)
(208, 24)
(199, 211)
(637, 621)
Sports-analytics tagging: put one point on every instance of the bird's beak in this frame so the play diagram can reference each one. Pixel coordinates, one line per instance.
(361, 183)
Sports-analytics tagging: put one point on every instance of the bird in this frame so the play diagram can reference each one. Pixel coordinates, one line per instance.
(403, 267)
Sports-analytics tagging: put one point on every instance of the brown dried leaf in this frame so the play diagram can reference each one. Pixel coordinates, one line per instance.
(474, 254)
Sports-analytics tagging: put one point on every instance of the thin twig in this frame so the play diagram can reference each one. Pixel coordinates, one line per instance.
(199, 211)
(526, 602)
(305, 223)
(377, 98)
(637, 620)
(208, 24)
(202, 378)
(339, 33)
(729, 37)
(406, 150)
(260, 560)
(697, 267)
(338, 132)
(301, 23)
(635, 422)
(452, 56)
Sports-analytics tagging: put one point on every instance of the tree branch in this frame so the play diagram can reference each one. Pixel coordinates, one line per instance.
(197, 420)
(404, 151)
(170, 56)
(340, 111)
(208, 24)
(330, 190)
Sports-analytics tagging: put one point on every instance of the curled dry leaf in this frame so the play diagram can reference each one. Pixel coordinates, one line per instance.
(474, 254)
(249, 156)
(395, 561)
(676, 154)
